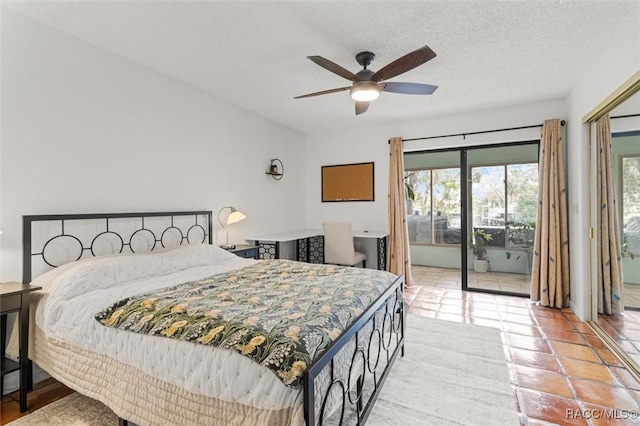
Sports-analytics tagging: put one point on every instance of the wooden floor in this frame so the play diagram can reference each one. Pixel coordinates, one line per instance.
(42, 394)
(561, 372)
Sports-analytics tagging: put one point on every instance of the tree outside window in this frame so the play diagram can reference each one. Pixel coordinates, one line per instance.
(631, 205)
(504, 200)
(433, 217)
(504, 203)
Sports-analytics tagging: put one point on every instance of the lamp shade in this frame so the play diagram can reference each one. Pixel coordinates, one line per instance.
(235, 216)
(364, 91)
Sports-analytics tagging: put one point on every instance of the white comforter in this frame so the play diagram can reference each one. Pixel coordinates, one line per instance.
(75, 292)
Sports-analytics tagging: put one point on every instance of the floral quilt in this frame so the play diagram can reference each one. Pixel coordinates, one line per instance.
(281, 314)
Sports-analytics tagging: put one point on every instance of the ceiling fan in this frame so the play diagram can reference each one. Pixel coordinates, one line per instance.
(368, 84)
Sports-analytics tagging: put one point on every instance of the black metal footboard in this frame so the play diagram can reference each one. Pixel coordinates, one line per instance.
(369, 346)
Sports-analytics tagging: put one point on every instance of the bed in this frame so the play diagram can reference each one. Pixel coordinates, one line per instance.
(94, 267)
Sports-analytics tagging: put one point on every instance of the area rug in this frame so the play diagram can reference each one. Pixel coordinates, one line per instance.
(72, 410)
(451, 374)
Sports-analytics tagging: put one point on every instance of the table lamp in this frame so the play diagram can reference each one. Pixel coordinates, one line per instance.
(234, 216)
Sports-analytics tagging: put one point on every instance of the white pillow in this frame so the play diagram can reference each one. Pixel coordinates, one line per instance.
(78, 277)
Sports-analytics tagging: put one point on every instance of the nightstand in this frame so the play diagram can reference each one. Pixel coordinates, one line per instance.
(247, 251)
(14, 297)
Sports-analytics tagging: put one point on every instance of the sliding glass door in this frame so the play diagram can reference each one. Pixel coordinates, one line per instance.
(434, 217)
(502, 199)
(471, 216)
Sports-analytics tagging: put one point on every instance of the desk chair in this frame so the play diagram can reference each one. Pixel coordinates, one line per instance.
(338, 245)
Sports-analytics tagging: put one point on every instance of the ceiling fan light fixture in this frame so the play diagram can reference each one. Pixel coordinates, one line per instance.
(365, 91)
(366, 84)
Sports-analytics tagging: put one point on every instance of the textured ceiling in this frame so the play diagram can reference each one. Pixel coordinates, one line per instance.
(253, 54)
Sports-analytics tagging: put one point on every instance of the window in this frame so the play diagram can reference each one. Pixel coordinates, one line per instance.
(433, 217)
(502, 195)
(504, 202)
(630, 171)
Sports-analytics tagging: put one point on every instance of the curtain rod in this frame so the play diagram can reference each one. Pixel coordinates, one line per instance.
(464, 135)
(625, 116)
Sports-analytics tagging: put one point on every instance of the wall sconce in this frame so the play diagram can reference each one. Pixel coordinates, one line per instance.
(234, 216)
(276, 169)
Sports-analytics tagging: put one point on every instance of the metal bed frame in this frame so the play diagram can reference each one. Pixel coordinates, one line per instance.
(385, 318)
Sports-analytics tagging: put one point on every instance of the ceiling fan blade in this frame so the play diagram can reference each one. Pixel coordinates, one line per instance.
(324, 92)
(408, 88)
(404, 64)
(361, 107)
(333, 67)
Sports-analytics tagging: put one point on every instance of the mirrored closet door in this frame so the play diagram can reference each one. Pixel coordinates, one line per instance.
(622, 330)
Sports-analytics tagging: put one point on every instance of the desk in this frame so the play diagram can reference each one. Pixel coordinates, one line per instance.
(310, 245)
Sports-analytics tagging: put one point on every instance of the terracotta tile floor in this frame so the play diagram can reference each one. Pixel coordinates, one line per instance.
(560, 371)
(501, 281)
(624, 329)
(451, 278)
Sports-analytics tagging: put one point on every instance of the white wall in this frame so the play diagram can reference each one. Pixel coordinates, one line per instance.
(84, 130)
(611, 67)
(371, 145)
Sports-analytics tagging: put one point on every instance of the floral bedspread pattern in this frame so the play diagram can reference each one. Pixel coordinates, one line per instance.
(281, 314)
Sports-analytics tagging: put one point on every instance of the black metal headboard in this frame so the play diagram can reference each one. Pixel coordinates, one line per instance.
(49, 241)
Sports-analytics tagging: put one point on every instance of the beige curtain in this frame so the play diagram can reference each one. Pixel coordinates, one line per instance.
(550, 278)
(398, 261)
(608, 242)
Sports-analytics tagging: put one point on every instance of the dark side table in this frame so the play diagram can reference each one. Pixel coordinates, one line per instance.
(246, 251)
(14, 297)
